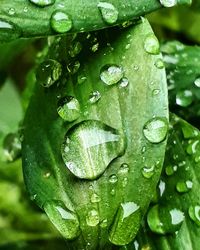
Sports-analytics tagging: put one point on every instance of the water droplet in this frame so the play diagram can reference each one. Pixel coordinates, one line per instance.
(148, 172)
(155, 92)
(63, 219)
(92, 146)
(164, 219)
(112, 192)
(95, 47)
(124, 182)
(11, 11)
(151, 45)
(81, 79)
(12, 147)
(75, 49)
(68, 108)
(47, 175)
(94, 97)
(184, 98)
(124, 169)
(159, 63)
(48, 72)
(126, 223)
(194, 213)
(92, 218)
(9, 31)
(184, 186)
(189, 131)
(169, 170)
(155, 130)
(61, 22)
(113, 179)
(168, 3)
(197, 82)
(161, 187)
(73, 67)
(111, 74)
(192, 147)
(95, 198)
(123, 83)
(109, 12)
(104, 223)
(43, 3)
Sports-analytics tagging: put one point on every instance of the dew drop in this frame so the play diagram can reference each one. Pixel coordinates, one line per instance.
(75, 49)
(184, 186)
(63, 219)
(113, 179)
(184, 98)
(197, 82)
(125, 224)
(92, 218)
(164, 219)
(48, 72)
(168, 3)
(124, 169)
(155, 130)
(11, 11)
(148, 172)
(68, 108)
(95, 198)
(94, 97)
(111, 74)
(194, 213)
(73, 67)
(61, 22)
(42, 3)
(123, 83)
(91, 145)
(104, 223)
(151, 45)
(109, 12)
(159, 63)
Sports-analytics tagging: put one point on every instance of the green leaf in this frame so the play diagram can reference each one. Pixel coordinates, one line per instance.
(42, 18)
(182, 65)
(178, 190)
(116, 129)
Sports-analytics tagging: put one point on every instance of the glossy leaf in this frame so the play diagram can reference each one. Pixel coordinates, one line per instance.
(116, 190)
(42, 18)
(179, 190)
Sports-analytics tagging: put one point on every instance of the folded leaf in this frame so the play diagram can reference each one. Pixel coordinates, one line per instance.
(95, 135)
(41, 18)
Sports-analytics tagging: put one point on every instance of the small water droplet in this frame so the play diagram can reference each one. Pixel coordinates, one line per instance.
(73, 67)
(124, 169)
(168, 3)
(109, 12)
(95, 47)
(184, 186)
(113, 179)
(124, 182)
(159, 63)
(92, 218)
(164, 219)
(169, 170)
(104, 223)
(148, 172)
(11, 11)
(42, 3)
(123, 83)
(63, 219)
(92, 146)
(68, 108)
(61, 22)
(151, 45)
(75, 49)
(197, 82)
(81, 78)
(94, 97)
(194, 213)
(184, 98)
(126, 222)
(95, 198)
(111, 74)
(155, 130)
(161, 187)
(192, 147)
(12, 147)
(155, 92)
(47, 175)
(48, 72)
(112, 192)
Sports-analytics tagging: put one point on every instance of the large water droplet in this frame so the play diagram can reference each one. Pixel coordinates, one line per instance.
(92, 218)
(126, 222)
(164, 219)
(63, 219)
(48, 72)
(91, 146)
(42, 3)
(168, 3)
(68, 108)
(9, 31)
(184, 186)
(109, 12)
(61, 22)
(155, 130)
(184, 98)
(111, 74)
(194, 213)
(151, 45)
(12, 147)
